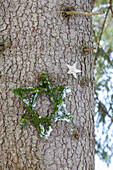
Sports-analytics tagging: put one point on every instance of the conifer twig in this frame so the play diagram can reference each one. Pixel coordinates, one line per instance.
(106, 112)
(101, 48)
(103, 25)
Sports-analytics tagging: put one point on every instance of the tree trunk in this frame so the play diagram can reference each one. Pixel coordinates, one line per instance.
(36, 38)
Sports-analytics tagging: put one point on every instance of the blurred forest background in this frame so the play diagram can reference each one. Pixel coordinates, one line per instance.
(103, 59)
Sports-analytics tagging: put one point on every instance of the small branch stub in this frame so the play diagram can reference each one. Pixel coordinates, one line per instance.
(84, 47)
(2, 47)
(67, 11)
(5, 44)
(82, 13)
(88, 49)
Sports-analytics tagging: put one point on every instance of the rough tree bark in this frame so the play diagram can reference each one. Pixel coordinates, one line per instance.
(35, 38)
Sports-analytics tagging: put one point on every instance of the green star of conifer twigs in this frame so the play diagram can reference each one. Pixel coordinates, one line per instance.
(29, 97)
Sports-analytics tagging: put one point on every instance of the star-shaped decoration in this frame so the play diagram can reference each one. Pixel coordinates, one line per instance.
(73, 70)
(29, 97)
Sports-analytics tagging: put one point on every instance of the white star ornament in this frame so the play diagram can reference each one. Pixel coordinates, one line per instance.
(73, 70)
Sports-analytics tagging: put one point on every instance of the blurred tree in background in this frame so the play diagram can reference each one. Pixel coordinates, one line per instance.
(103, 40)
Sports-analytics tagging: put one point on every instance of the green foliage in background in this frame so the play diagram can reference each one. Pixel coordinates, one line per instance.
(103, 38)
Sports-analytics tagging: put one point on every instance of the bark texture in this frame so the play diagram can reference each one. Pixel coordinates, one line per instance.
(35, 38)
